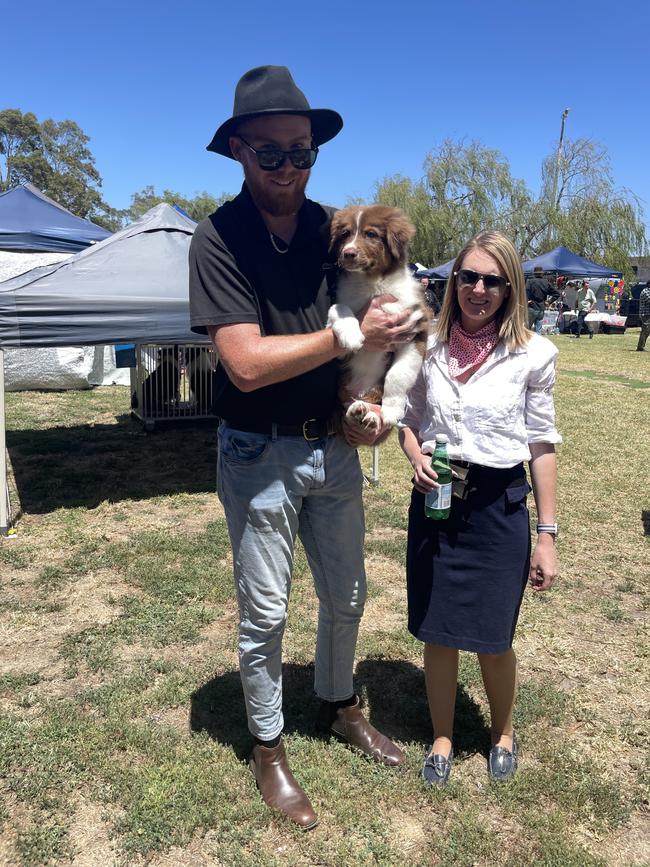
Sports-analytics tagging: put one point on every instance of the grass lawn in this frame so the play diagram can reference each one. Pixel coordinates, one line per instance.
(122, 728)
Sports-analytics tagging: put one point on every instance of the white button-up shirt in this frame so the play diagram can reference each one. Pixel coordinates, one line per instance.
(490, 419)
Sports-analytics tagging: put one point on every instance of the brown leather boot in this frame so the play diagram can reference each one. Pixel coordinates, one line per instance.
(278, 786)
(351, 726)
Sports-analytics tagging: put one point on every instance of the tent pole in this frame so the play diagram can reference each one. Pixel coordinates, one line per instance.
(4, 490)
(374, 479)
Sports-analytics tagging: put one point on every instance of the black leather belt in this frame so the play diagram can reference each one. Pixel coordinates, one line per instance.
(311, 429)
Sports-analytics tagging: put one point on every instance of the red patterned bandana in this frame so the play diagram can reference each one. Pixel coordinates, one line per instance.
(467, 352)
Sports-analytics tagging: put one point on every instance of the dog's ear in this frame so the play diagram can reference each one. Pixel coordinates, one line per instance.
(336, 227)
(339, 225)
(399, 231)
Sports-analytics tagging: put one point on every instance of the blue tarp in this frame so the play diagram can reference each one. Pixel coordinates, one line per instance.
(563, 261)
(557, 261)
(31, 221)
(442, 272)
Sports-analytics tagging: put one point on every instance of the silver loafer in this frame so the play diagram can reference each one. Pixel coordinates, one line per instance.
(436, 769)
(502, 762)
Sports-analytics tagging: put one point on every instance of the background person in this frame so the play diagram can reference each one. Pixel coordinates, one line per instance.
(538, 291)
(585, 304)
(644, 314)
(258, 285)
(487, 383)
(429, 295)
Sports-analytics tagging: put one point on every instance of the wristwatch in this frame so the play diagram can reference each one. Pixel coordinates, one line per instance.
(553, 529)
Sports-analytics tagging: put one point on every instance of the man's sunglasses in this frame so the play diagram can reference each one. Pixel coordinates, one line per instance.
(271, 159)
(492, 282)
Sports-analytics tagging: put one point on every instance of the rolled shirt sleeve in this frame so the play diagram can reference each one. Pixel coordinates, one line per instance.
(416, 402)
(539, 405)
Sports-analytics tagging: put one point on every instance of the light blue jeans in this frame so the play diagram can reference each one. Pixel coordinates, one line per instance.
(273, 488)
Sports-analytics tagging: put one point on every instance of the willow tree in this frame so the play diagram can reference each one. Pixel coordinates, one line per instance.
(467, 187)
(584, 210)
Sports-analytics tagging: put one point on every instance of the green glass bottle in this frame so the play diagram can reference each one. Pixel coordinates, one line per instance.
(437, 503)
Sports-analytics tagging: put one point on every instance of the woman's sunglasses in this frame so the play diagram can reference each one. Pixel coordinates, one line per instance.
(271, 159)
(492, 282)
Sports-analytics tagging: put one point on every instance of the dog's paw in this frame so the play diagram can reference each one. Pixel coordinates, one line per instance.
(372, 422)
(359, 413)
(391, 416)
(348, 334)
(356, 411)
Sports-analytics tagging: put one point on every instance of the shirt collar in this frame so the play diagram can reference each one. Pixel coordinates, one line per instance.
(310, 217)
(440, 352)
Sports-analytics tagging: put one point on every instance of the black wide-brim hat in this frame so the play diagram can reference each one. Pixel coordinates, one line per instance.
(271, 90)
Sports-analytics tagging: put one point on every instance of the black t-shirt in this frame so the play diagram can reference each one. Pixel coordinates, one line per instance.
(538, 289)
(237, 276)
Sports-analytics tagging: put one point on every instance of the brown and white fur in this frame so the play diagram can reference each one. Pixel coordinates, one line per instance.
(370, 244)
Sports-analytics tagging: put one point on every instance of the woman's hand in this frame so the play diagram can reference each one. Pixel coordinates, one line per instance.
(543, 474)
(543, 563)
(424, 476)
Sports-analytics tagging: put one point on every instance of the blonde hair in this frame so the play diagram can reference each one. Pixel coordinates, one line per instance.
(512, 316)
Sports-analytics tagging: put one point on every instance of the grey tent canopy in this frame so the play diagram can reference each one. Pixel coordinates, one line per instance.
(130, 288)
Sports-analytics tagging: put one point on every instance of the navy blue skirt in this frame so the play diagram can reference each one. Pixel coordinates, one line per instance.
(466, 576)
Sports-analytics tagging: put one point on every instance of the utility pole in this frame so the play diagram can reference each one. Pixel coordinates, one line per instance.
(556, 172)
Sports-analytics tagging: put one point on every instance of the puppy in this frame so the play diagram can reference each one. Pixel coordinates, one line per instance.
(370, 245)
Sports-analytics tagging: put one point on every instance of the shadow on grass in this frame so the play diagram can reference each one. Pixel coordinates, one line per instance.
(86, 464)
(645, 520)
(394, 698)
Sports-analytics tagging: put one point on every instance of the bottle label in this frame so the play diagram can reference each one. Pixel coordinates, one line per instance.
(439, 498)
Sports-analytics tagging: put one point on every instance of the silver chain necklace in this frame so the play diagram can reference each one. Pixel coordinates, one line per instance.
(275, 246)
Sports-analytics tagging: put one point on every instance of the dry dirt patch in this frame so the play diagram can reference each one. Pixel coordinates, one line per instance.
(91, 837)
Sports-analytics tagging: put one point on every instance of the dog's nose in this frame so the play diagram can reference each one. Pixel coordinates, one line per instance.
(350, 254)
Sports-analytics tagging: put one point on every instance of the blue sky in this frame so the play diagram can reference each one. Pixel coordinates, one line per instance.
(150, 82)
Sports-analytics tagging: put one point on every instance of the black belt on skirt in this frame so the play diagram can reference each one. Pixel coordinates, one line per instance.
(311, 429)
(472, 477)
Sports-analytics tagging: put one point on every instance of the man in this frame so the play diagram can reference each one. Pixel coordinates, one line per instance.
(585, 304)
(644, 314)
(538, 289)
(260, 284)
(430, 296)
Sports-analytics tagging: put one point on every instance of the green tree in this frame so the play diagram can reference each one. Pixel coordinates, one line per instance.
(588, 213)
(197, 208)
(55, 157)
(20, 135)
(465, 188)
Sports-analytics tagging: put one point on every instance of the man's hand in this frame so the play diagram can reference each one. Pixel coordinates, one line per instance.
(381, 330)
(543, 563)
(356, 435)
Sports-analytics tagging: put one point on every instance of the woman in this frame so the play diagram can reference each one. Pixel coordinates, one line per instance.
(486, 383)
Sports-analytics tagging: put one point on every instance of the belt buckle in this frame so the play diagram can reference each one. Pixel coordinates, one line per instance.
(304, 430)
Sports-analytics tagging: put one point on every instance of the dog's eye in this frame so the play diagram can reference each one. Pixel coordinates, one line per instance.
(344, 233)
(372, 234)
